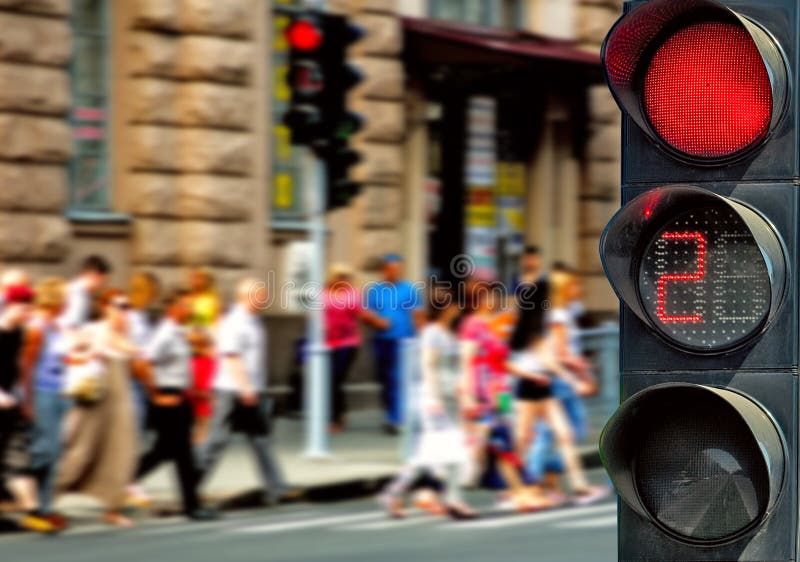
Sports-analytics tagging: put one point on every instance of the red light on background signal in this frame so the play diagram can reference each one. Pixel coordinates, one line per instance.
(303, 35)
(707, 91)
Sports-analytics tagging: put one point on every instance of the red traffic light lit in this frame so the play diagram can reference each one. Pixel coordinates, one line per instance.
(707, 92)
(705, 83)
(304, 35)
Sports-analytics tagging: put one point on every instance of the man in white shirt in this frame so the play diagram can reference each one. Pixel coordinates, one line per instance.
(169, 356)
(78, 307)
(238, 385)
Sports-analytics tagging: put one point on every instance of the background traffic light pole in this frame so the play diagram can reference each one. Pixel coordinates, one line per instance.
(319, 77)
(318, 357)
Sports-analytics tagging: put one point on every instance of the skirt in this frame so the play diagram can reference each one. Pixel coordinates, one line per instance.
(101, 446)
(439, 442)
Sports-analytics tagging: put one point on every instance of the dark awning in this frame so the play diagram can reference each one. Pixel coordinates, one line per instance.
(434, 42)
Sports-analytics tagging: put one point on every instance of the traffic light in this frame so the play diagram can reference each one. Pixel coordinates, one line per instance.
(703, 256)
(340, 124)
(320, 77)
(305, 77)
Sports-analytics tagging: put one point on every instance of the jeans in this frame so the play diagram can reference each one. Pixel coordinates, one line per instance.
(543, 456)
(387, 372)
(50, 408)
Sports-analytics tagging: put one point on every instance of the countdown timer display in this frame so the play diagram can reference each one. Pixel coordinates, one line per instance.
(703, 280)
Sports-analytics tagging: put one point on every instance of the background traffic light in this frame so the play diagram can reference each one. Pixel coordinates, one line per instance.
(703, 449)
(320, 77)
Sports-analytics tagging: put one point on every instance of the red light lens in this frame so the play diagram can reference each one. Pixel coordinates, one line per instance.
(707, 91)
(303, 35)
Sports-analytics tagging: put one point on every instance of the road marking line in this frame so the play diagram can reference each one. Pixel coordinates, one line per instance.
(319, 522)
(597, 522)
(390, 524)
(542, 517)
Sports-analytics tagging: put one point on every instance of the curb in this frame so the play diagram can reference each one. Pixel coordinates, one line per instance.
(353, 489)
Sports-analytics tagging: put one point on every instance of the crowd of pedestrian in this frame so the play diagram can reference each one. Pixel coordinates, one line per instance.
(499, 400)
(99, 386)
(87, 370)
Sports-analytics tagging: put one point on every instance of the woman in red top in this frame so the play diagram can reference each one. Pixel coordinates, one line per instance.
(485, 392)
(343, 312)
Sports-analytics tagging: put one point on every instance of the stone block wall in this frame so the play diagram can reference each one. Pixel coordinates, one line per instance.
(35, 138)
(190, 170)
(600, 188)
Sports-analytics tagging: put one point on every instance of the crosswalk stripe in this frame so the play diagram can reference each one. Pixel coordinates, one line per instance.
(597, 522)
(318, 522)
(542, 517)
(389, 524)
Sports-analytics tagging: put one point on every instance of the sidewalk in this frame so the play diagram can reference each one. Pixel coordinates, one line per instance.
(362, 459)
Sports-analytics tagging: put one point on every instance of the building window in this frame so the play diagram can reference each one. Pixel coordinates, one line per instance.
(287, 202)
(504, 13)
(89, 174)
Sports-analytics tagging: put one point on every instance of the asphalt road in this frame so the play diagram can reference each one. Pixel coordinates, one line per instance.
(339, 532)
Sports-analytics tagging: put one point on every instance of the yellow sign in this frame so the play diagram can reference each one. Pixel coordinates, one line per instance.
(511, 179)
(280, 23)
(284, 191)
(283, 143)
(481, 215)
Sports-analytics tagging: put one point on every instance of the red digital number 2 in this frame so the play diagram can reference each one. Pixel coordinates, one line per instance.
(697, 275)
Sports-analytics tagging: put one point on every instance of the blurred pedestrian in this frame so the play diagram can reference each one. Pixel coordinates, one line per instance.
(238, 386)
(343, 311)
(538, 367)
(562, 320)
(399, 303)
(43, 357)
(90, 281)
(206, 307)
(12, 278)
(531, 289)
(441, 446)
(169, 357)
(15, 423)
(485, 399)
(101, 438)
(143, 291)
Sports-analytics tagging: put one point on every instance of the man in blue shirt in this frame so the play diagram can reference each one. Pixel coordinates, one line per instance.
(399, 302)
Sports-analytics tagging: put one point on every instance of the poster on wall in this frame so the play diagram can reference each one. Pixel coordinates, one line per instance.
(480, 236)
(511, 204)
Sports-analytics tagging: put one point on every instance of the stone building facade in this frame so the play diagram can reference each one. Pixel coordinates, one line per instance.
(182, 141)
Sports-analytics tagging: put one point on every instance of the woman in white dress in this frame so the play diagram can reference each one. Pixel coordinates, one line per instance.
(441, 446)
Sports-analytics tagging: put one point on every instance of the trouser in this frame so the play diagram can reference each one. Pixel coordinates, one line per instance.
(341, 360)
(50, 407)
(173, 442)
(140, 404)
(227, 413)
(387, 362)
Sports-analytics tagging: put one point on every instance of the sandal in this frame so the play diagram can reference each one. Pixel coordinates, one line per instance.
(392, 505)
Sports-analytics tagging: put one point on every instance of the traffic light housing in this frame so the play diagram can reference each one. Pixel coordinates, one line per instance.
(703, 256)
(306, 77)
(320, 77)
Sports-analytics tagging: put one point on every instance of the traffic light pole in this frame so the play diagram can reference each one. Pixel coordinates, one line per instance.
(317, 356)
